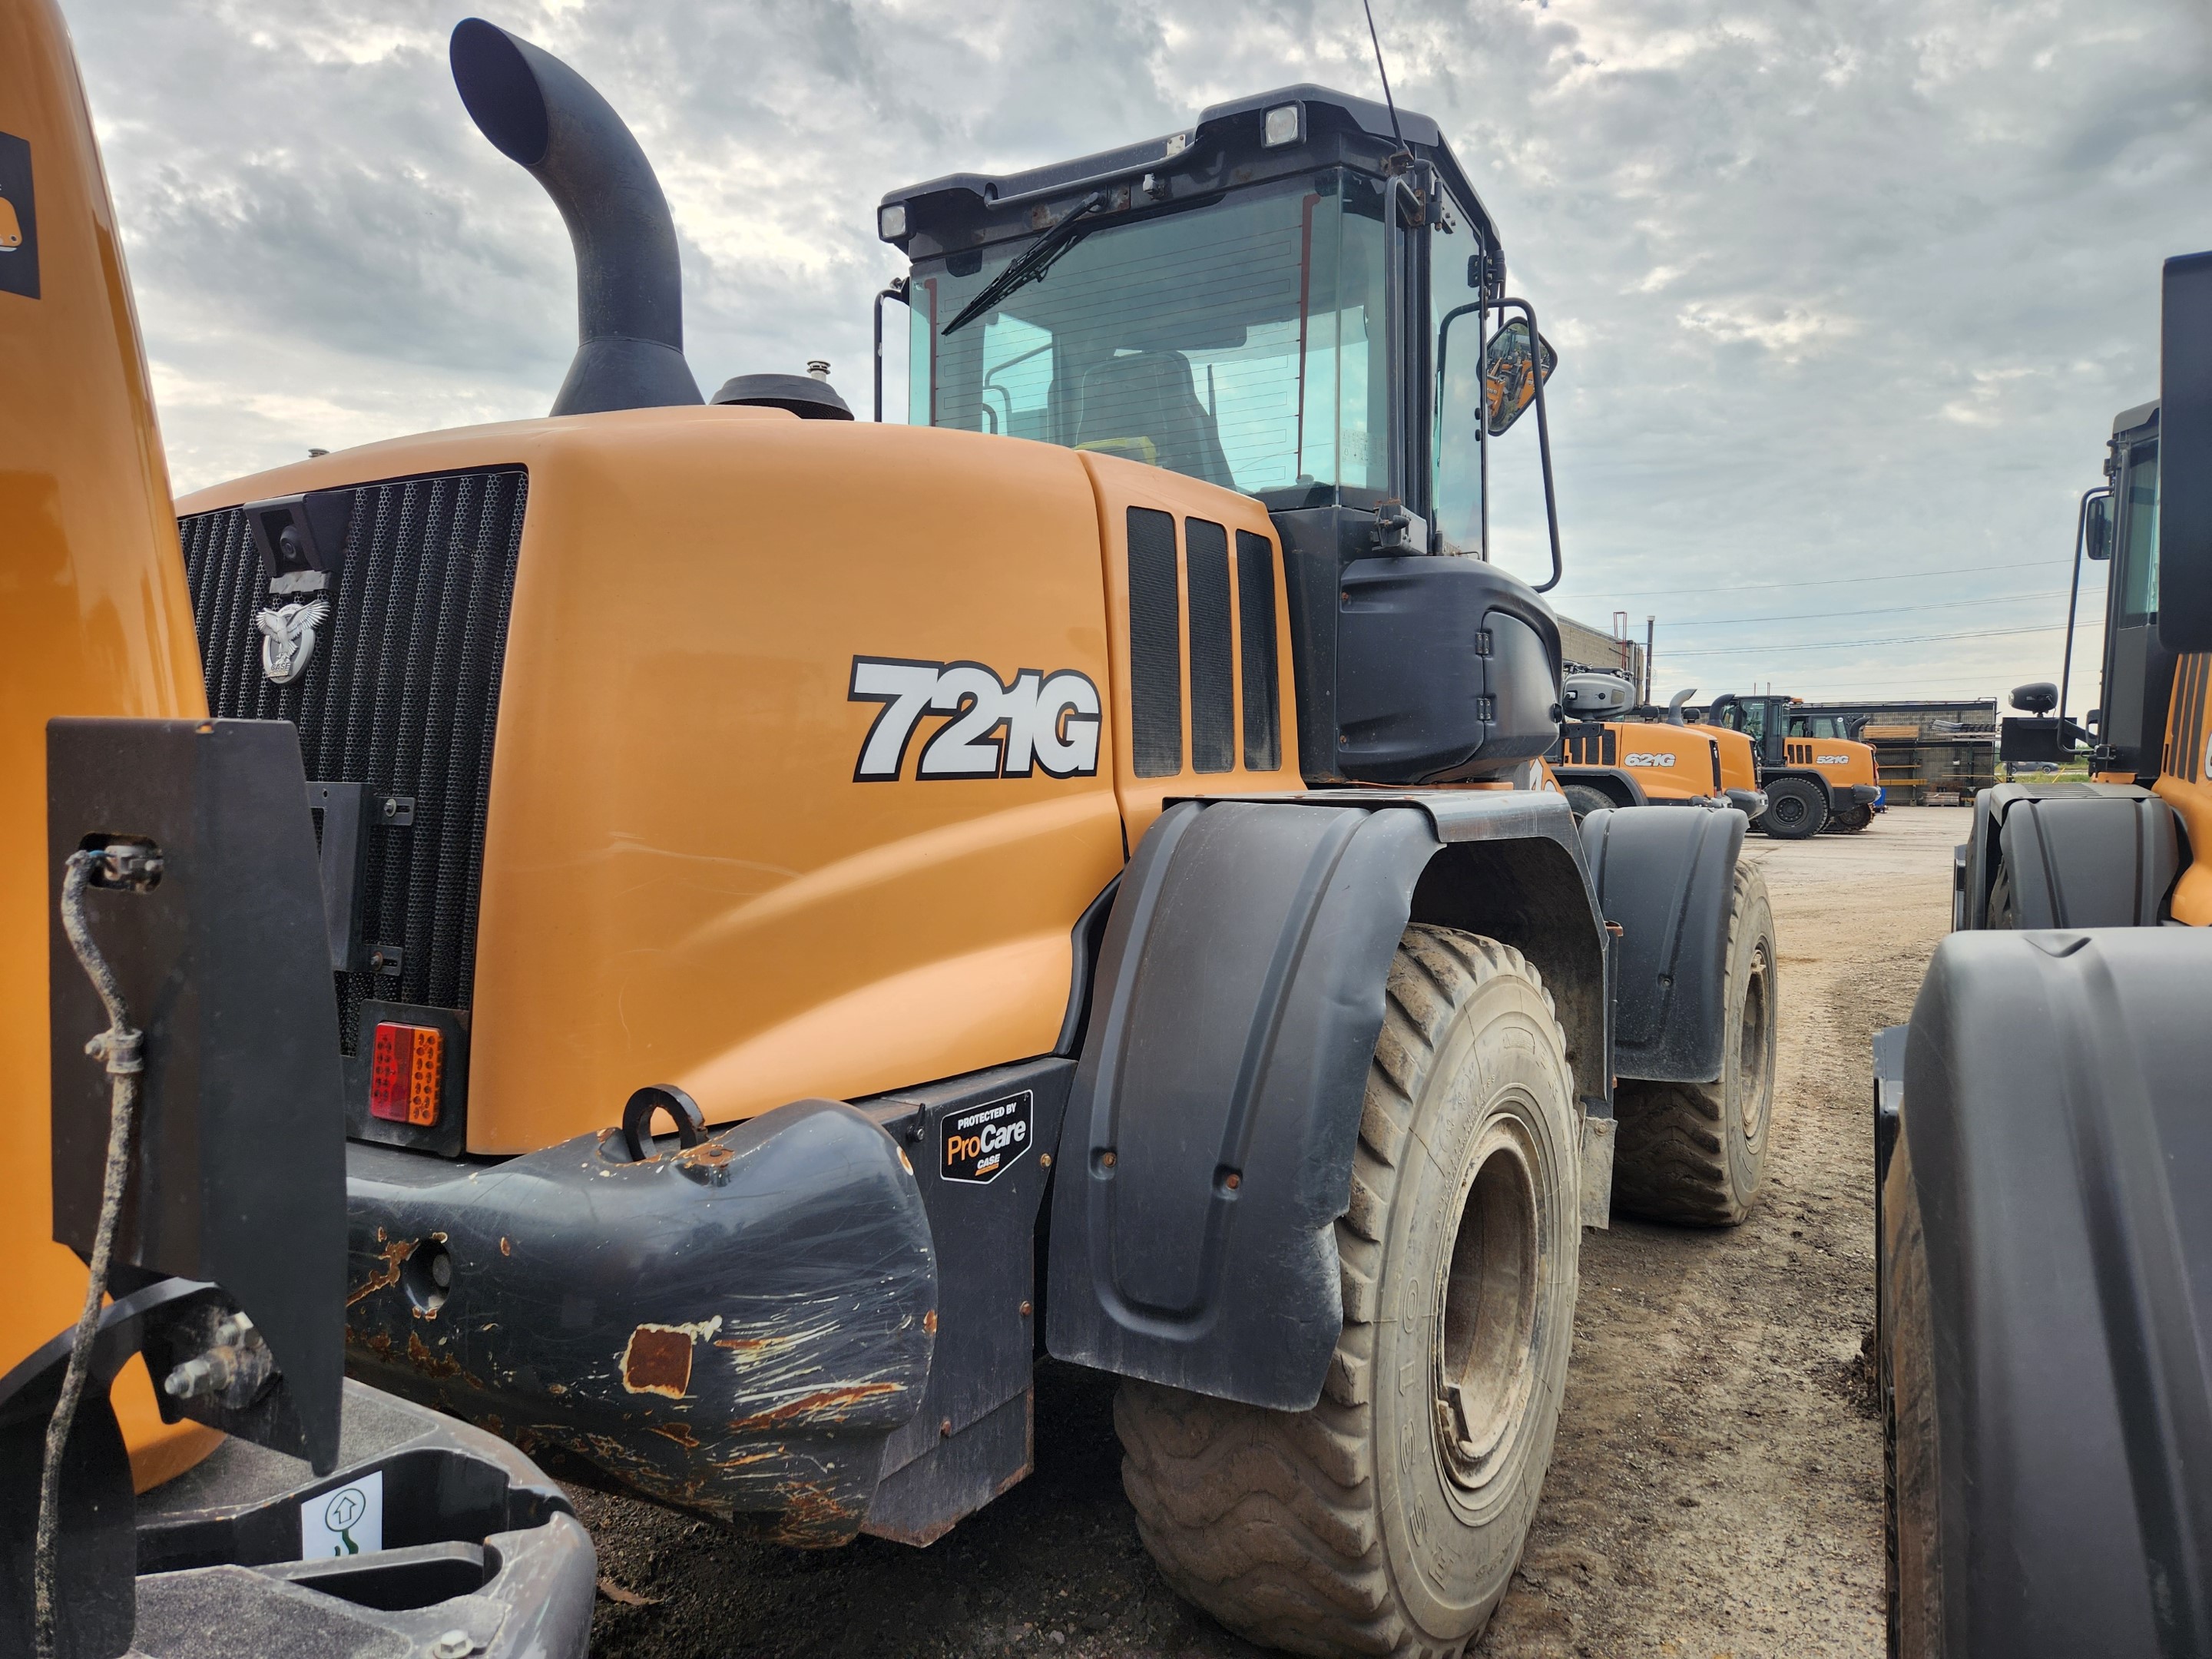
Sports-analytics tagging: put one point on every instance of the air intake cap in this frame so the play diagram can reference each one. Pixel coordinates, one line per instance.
(804, 396)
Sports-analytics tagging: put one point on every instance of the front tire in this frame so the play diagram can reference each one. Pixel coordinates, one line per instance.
(1585, 798)
(1794, 809)
(1389, 1517)
(1852, 820)
(1693, 1153)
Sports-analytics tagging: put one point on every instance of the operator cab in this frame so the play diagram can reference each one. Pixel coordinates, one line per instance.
(2138, 670)
(1301, 299)
(1282, 301)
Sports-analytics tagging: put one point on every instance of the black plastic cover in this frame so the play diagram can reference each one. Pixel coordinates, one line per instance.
(2184, 507)
(2047, 1270)
(1446, 668)
(1206, 1152)
(1666, 875)
(2091, 862)
(225, 962)
(735, 1326)
(1242, 995)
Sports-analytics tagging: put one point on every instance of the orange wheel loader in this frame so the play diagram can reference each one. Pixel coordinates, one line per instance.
(185, 1470)
(1815, 779)
(1642, 757)
(825, 913)
(2043, 1250)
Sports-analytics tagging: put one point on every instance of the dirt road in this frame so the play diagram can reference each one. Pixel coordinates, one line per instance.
(1715, 1492)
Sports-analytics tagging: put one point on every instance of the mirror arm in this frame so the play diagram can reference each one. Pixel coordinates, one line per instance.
(1543, 437)
(2074, 593)
(894, 290)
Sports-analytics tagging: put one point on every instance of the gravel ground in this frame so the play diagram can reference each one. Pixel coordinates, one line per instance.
(1716, 1489)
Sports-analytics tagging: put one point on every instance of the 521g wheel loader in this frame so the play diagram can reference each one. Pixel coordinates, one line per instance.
(1074, 874)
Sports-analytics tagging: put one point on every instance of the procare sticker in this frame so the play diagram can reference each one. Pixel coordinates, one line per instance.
(19, 220)
(981, 1143)
(346, 1520)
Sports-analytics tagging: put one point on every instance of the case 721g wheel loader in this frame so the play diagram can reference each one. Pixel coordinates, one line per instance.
(1070, 874)
(2041, 1142)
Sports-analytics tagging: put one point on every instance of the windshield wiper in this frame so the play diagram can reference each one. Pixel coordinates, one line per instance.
(1034, 264)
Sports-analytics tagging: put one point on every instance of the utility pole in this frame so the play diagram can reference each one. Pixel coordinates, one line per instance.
(1650, 626)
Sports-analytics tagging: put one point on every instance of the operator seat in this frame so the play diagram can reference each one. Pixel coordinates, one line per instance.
(1143, 400)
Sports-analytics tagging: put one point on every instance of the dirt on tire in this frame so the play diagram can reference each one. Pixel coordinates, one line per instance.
(1716, 1484)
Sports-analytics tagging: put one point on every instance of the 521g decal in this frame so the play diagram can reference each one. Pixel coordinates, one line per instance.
(1040, 722)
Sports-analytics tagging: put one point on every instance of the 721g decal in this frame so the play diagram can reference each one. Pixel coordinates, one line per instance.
(1040, 722)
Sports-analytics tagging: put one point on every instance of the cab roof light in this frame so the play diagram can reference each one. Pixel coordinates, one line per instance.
(891, 221)
(1281, 125)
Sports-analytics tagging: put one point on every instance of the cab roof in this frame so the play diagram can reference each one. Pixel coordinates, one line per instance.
(1221, 150)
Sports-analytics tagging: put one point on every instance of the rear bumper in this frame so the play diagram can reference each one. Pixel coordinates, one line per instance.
(1855, 794)
(474, 1538)
(735, 1328)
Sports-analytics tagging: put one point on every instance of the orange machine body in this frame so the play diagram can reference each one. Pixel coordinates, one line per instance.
(2185, 782)
(94, 618)
(699, 865)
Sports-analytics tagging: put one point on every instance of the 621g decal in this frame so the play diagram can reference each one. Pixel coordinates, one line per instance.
(1041, 722)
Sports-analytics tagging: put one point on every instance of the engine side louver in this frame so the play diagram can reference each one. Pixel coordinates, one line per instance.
(1234, 666)
(400, 694)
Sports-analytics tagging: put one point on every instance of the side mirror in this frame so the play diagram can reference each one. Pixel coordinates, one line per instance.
(2094, 719)
(2184, 507)
(2097, 526)
(1508, 373)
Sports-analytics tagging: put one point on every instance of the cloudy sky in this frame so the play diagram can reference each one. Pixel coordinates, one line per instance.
(1846, 292)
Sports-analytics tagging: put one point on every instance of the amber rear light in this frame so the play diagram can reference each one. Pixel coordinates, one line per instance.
(406, 1067)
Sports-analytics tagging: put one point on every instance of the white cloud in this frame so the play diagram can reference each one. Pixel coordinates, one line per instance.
(1846, 286)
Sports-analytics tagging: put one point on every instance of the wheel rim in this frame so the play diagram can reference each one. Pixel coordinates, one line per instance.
(1788, 809)
(1485, 1360)
(1755, 1044)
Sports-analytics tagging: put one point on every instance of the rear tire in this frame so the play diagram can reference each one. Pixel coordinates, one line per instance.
(1586, 799)
(1389, 1517)
(1692, 1153)
(1794, 809)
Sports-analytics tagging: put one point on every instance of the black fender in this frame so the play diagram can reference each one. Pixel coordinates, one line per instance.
(2045, 1265)
(1621, 785)
(1667, 878)
(1206, 1150)
(2083, 855)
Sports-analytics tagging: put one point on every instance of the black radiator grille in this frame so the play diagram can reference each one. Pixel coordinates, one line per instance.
(401, 694)
(1155, 645)
(1212, 688)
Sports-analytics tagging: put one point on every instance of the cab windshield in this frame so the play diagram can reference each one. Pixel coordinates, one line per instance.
(1242, 341)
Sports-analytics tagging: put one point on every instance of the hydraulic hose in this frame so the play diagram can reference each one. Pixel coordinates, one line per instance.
(120, 1048)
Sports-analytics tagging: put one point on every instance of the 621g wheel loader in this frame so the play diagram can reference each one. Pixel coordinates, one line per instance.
(1073, 874)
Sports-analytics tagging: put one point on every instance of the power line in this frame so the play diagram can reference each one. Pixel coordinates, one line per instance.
(1841, 645)
(1877, 611)
(1832, 581)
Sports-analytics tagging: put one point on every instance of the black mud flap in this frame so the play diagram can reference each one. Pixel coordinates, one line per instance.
(737, 1327)
(1207, 1148)
(2046, 1273)
(1666, 877)
(2083, 855)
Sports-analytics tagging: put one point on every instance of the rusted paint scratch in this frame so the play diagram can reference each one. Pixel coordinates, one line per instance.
(395, 1258)
(679, 1433)
(430, 1364)
(657, 1358)
(823, 1402)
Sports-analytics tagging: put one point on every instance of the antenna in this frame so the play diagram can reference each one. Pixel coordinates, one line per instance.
(1389, 102)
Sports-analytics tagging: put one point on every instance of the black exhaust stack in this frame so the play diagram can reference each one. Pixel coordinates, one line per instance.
(629, 286)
